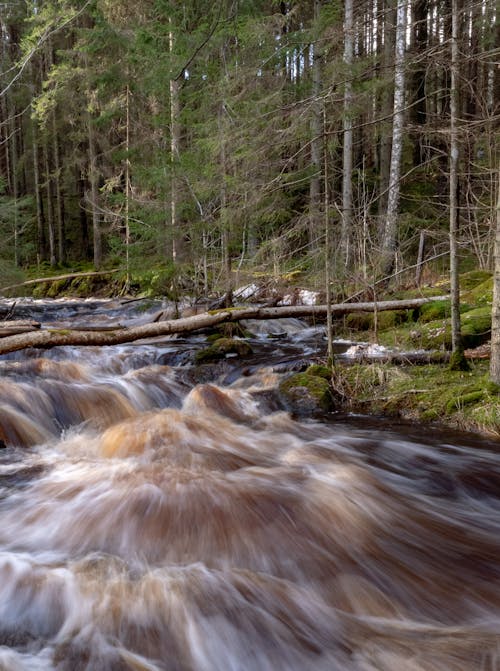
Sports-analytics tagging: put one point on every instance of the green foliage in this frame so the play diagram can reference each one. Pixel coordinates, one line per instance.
(434, 310)
(458, 361)
(319, 370)
(306, 392)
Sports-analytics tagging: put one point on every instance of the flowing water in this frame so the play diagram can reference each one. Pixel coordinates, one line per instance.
(151, 523)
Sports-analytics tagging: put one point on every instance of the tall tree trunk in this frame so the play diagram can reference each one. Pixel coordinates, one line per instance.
(316, 141)
(84, 225)
(13, 153)
(94, 194)
(458, 360)
(59, 203)
(495, 317)
(346, 224)
(127, 188)
(175, 138)
(50, 204)
(418, 84)
(387, 104)
(40, 217)
(391, 218)
(223, 218)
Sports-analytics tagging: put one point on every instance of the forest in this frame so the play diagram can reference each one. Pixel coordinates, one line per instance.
(184, 145)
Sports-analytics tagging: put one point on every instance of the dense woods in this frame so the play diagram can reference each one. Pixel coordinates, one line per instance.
(191, 140)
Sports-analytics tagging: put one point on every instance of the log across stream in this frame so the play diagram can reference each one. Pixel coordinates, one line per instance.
(153, 521)
(117, 334)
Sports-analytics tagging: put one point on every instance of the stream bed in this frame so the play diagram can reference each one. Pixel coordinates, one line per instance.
(156, 518)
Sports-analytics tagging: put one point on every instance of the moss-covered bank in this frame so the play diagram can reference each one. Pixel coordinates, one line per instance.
(431, 393)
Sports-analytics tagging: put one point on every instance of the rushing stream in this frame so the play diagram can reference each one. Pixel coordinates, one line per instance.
(152, 522)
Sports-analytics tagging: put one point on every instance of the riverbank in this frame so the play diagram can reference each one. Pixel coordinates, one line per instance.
(431, 394)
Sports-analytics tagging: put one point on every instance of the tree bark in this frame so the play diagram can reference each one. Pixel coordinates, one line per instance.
(57, 337)
(346, 225)
(175, 140)
(388, 18)
(495, 318)
(94, 194)
(316, 142)
(456, 337)
(391, 219)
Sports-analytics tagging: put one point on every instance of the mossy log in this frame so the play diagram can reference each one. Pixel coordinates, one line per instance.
(52, 338)
(57, 278)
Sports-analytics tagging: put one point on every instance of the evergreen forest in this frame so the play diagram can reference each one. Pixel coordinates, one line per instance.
(188, 144)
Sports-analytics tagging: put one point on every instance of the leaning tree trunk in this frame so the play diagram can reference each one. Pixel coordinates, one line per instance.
(495, 318)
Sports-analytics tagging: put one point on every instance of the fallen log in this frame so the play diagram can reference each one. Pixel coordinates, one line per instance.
(56, 278)
(401, 359)
(17, 326)
(63, 337)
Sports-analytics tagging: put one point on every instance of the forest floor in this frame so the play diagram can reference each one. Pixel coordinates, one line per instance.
(432, 393)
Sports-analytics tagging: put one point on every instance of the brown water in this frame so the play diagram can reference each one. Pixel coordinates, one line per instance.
(146, 523)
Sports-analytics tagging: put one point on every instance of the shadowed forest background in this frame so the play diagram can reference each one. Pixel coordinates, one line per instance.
(235, 135)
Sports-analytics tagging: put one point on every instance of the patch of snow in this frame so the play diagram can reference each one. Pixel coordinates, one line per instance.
(301, 297)
(366, 349)
(246, 292)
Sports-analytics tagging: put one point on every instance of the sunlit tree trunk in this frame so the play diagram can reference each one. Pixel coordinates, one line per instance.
(391, 218)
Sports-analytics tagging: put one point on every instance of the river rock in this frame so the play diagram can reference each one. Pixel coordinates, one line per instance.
(223, 348)
(305, 394)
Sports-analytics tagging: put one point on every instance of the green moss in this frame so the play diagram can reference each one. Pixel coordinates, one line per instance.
(482, 294)
(391, 318)
(434, 310)
(221, 348)
(458, 361)
(319, 371)
(359, 321)
(307, 392)
(463, 399)
(466, 399)
(476, 326)
(473, 278)
(63, 332)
